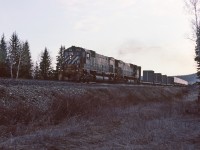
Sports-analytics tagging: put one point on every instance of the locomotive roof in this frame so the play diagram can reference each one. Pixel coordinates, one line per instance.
(74, 47)
(100, 54)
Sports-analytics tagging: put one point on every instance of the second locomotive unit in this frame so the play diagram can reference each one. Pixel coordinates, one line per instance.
(87, 65)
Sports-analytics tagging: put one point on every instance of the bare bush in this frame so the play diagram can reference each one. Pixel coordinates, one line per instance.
(20, 113)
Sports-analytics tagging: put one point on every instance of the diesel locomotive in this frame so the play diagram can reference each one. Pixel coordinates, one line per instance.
(81, 64)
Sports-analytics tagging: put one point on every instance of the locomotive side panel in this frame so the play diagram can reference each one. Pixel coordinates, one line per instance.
(118, 69)
(102, 63)
(128, 70)
(97, 65)
(111, 65)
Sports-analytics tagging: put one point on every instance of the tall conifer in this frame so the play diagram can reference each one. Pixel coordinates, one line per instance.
(60, 63)
(45, 65)
(3, 57)
(26, 62)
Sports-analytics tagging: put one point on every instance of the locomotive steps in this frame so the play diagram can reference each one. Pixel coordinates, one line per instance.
(56, 115)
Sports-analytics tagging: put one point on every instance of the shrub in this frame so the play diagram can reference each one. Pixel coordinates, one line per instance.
(64, 107)
(20, 113)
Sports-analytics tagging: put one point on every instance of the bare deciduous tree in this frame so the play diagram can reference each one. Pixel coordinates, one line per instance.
(12, 52)
(20, 54)
(193, 8)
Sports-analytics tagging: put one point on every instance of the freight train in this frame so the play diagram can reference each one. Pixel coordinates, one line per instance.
(85, 65)
(150, 77)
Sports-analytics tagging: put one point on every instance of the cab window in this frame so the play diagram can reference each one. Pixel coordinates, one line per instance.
(88, 56)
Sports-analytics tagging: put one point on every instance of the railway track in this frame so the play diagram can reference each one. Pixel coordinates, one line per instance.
(30, 82)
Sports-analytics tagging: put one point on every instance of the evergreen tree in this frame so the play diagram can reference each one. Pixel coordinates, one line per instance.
(36, 71)
(26, 62)
(13, 54)
(3, 57)
(60, 63)
(52, 74)
(45, 65)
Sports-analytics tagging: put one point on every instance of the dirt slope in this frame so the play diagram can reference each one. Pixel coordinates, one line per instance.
(59, 115)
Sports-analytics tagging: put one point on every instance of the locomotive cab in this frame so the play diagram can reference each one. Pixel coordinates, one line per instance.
(74, 58)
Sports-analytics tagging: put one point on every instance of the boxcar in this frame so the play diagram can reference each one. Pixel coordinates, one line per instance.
(164, 79)
(148, 76)
(157, 78)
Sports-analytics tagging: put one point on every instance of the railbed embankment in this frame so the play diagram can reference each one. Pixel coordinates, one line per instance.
(76, 115)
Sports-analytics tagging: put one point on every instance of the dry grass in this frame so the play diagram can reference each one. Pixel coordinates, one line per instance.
(102, 118)
(63, 106)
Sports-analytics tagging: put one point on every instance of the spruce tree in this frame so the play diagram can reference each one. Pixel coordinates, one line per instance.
(3, 57)
(60, 63)
(45, 65)
(26, 62)
(36, 71)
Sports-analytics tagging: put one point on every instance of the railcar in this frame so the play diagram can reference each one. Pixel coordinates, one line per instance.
(164, 79)
(149, 77)
(170, 80)
(177, 81)
(87, 65)
(158, 78)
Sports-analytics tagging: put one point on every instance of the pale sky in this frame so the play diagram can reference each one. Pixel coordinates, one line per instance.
(149, 33)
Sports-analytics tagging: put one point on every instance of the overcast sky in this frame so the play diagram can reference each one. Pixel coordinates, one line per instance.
(149, 33)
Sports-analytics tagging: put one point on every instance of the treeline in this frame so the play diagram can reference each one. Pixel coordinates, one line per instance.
(16, 61)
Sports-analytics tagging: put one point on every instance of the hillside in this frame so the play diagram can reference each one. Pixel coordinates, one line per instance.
(61, 115)
(191, 78)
